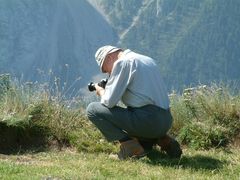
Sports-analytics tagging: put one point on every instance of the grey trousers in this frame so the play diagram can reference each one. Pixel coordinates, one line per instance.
(147, 122)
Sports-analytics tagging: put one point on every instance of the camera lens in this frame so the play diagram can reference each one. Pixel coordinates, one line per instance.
(91, 86)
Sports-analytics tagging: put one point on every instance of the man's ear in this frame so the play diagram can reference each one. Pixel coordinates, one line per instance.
(109, 57)
(112, 58)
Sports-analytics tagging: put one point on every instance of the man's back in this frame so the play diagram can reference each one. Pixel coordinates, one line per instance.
(146, 86)
(136, 80)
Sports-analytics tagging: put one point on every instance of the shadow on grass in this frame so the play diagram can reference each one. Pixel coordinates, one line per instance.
(194, 162)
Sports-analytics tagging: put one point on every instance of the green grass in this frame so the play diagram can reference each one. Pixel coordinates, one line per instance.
(211, 164)
(206, 122)
(204, 117)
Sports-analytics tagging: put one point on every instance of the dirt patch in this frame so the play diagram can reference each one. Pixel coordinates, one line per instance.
(236, 141)
(17, 139)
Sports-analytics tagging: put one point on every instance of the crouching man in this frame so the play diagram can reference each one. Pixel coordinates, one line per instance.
(136, 80)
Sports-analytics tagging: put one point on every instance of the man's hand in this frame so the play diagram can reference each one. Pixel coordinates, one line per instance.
(99, 90)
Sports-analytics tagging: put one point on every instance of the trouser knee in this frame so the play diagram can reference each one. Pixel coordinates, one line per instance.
(94, 110)
(91, 109)
(98, 115)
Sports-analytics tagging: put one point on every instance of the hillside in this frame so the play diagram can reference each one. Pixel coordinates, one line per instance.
(52, 40)
(42, 138)
(193, 41)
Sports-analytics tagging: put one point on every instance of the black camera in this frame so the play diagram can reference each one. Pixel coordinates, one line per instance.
(102, 83)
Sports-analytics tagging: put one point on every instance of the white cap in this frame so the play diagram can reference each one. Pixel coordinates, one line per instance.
(102, 52)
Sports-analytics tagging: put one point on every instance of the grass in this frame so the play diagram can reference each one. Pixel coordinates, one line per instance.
(201, 164)
(32, 120)
(206, 116)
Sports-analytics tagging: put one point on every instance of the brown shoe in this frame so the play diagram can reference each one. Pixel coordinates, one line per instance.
(170, 146)
(131, 148)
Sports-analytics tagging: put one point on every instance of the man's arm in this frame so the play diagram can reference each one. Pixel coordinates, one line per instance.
(117, 83)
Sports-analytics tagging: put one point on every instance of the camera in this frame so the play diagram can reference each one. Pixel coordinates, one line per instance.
(102, 83)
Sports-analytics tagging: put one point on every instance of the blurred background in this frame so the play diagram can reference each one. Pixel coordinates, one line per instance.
(193, 41)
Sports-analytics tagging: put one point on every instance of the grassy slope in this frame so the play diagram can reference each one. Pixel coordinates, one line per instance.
(204, 117)
(212, 164)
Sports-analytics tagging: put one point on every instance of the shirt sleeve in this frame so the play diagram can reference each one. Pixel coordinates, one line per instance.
(118, 82)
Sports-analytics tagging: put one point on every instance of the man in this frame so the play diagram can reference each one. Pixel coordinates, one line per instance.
(135, 79)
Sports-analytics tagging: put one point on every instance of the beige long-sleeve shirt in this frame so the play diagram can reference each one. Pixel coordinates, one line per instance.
(136, 80)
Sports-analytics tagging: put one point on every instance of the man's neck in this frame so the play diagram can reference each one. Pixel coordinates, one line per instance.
(120, 54)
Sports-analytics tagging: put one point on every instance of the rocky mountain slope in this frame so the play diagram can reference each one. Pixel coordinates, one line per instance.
(193, 41)
(52, 39)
